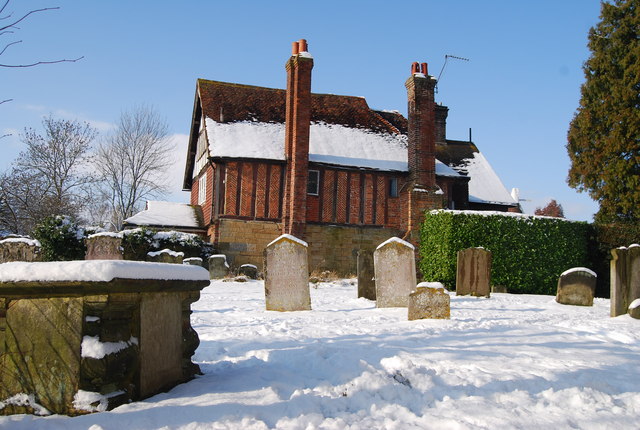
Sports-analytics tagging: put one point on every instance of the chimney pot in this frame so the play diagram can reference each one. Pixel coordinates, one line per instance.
(414, 68)
(303, 45)
(295, 48)
(423, 69)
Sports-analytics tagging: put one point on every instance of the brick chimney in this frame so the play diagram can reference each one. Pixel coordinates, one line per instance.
(298, 119)
(441, 124)
(422, 191)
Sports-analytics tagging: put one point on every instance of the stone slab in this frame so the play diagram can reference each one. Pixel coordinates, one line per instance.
(395, 273)
(474, 272)
(366, 274)
(287, 275)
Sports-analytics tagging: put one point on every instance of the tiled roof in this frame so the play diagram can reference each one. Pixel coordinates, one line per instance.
(225, 102)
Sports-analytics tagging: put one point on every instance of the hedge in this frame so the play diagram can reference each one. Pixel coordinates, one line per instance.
(529, 253)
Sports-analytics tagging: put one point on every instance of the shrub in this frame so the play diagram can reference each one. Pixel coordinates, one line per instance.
(529, 253)
(61, 239)
(139, 241)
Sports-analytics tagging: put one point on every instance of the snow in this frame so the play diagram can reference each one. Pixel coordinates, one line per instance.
(167, 214)
(397, 240)
(27, 240)
(92, 347)
(289, 237)
(635, 304)
(523, 217)
(25, 400)
(328, 143)
(508, 362)
(485, 186)
(579, 269)
(106, 234)
(98, 270)
(436, 285)
(165, 251)
(249, 265)
(85, 400)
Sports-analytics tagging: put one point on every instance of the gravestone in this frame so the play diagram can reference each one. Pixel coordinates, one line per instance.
(104, 246)
(248, 270)
(366, 283)
(286, 278)
(395, 273)
(165, 256)
(430, 300)
(218, 267)
(192, 261)
(576, 287)
(474, 272)
(625, 278)
(87, 336)
(19, 249)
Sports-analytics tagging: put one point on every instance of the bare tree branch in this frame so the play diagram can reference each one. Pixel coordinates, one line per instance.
(42, 62)
(13, 24)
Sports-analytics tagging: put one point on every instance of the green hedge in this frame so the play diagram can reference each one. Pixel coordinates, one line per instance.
(529, 253)
(139, 241)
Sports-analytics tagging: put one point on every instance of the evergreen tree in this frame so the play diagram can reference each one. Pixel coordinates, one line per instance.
(604, 135)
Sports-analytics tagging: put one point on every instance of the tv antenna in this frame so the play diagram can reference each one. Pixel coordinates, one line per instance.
(446, 57)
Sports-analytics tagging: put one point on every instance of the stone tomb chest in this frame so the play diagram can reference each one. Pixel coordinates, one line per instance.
(85, 336)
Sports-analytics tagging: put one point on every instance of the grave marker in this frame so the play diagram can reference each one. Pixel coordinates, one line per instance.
(286, 282)
(395, 273)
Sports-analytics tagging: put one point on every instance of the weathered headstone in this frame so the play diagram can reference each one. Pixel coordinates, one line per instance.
(430, 300)
(474, 272)
(366, 283)
(625, 278)
(634, 309)
(165, 256)
(395, 273)
(104, 246)
(577, 287)
(499, 289)
(286, 282)
(192, 261)
(19, 249)
(218, 267)
(111, 333)
(248, 270)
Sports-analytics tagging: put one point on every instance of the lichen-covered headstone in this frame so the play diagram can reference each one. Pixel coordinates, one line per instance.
(625, 278)
(104, 246)
(474, 272)
(248, 270)
(576, 287)
(192, 261)
(165, 256)
(286, 282)
(366, 283)
(19, 249)
(430, 300)
(218, 267)
(395, 273)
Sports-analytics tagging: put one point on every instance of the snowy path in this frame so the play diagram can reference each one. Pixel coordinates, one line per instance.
(507, 362)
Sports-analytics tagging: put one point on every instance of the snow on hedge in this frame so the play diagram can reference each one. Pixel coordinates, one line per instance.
(158, 213)
(98, 270)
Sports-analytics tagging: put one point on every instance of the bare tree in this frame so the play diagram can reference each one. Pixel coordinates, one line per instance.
(9, 25)
(133, 162)
(51, 177)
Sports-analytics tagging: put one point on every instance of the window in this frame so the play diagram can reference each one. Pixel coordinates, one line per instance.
(313, 184)
(393, 187)
(202, 188)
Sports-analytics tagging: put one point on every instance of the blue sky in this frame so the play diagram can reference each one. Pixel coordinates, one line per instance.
(518, 92)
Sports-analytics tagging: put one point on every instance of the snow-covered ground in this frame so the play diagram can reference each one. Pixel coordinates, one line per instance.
(511, 361)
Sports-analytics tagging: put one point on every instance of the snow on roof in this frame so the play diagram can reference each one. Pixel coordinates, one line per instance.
(165, 214)
(98, 271)
(485, 186)
(117, 235)
(328, 143)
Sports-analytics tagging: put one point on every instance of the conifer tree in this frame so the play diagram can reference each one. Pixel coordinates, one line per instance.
(552, 208)
(604, 135)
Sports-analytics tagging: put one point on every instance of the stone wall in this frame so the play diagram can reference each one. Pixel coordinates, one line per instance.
(330, 247)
